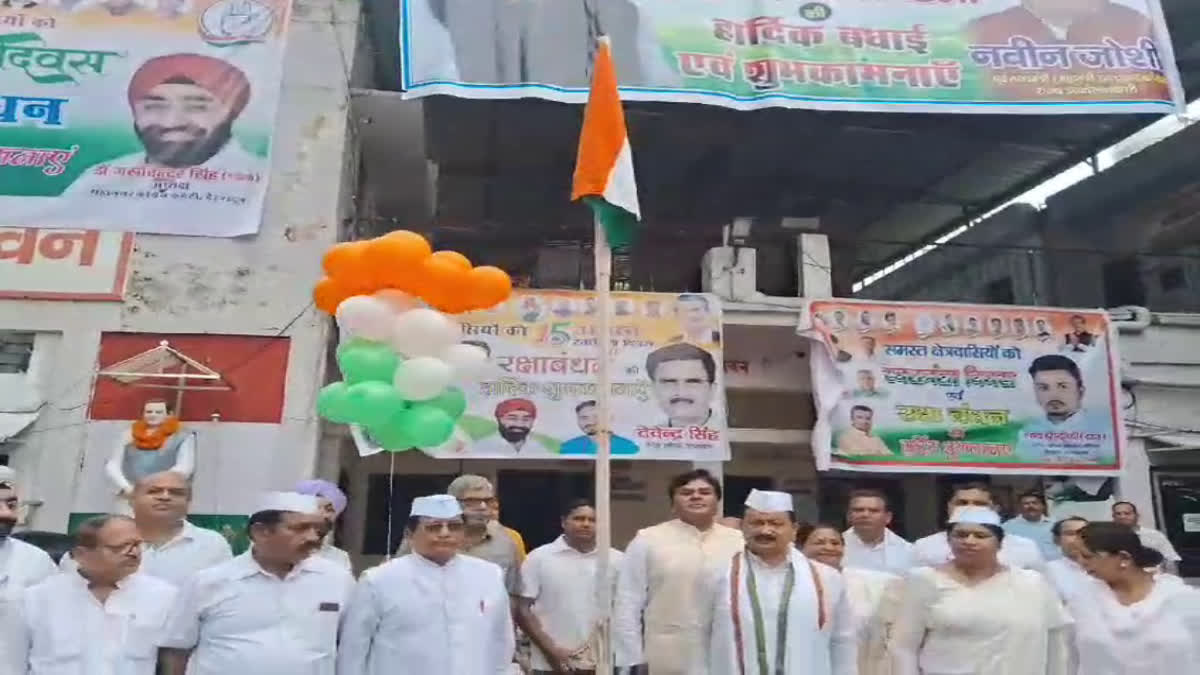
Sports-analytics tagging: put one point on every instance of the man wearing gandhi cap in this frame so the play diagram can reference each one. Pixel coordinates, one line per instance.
(514, 437)
(771, 609)
(274, 610)
(434, 611)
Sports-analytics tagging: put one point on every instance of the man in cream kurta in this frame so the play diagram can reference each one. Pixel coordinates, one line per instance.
(432, 612)
(770, 609)
(657, 615)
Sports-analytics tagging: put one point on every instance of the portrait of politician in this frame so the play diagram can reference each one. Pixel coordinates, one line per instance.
(684, 379)
(514, 431)
(1059, 390)
(1062, 22)
(858, 439)
(695, 320)
(587, 416)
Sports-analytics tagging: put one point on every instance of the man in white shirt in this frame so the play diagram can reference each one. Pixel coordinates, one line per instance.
(559, 589)
(1015, 550)
(433, 611)
(273, 610)
(173, 549)
(1127, 514)
(1065, 573)
(1033, 524)
(870, 544)
(772, 610)
(21, 566)
(657, 617)
(105, 617)
(333, 502)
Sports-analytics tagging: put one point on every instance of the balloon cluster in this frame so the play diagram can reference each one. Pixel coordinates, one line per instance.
(400, 356)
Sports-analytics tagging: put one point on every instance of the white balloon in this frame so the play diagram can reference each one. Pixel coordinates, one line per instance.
(468, 361)
(423, 332)
(422, 378)
(365, 317)
(397, 300)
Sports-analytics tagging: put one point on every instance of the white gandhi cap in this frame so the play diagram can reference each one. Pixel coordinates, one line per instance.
(769, 502)
(442, 507)
(979, 515)
(288, 501)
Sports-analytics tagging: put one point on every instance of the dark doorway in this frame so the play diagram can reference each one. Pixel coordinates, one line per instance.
(531, 501)
(402, 490)
(1179, 499)
(737, 488)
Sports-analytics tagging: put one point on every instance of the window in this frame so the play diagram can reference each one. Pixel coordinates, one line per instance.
(1000, 292)
(16, 348)
(1123, 283)
(1172, 278)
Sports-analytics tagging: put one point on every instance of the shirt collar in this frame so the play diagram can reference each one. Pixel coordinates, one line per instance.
(246, 566)
(187, 533)
(560, 545)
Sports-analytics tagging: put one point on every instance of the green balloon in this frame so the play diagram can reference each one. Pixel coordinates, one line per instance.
(428, 425)
(392, 435)
(374, 403)
(366, 361)
(333, 403)
(452, 401)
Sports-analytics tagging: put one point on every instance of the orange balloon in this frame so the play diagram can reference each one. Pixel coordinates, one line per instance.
(393, 259)
(443, 283)
(454, 257)
(488, 286)
(344, 260)
(328, 294)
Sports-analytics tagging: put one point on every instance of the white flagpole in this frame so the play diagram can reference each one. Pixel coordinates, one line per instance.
(603, 256)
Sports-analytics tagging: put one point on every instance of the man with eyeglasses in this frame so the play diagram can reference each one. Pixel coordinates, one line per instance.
(116, 613)
(433, 611)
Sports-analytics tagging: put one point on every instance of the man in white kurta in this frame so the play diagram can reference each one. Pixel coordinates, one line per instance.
(657, 618)
(772, 611)
(869, 543)
(274, 610)
(1015, 550)
(105, 618)
(1126, 513)
(433, 611)
(172, 548)
(21, 566)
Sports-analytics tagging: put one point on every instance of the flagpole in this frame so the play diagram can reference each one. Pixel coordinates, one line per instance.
(603, 260)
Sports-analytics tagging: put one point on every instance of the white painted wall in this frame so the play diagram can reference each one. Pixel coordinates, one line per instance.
(251, 286)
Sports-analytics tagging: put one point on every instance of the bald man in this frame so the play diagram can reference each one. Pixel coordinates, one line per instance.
(173, 550)
(514, 437)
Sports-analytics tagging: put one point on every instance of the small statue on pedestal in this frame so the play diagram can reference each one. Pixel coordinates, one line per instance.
(153, 444)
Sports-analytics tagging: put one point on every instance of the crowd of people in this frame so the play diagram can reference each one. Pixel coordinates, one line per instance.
(151, 594)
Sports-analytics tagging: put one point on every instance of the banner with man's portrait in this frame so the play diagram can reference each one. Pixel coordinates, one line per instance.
(958, 56)
(948, 388)
(539, 399)
(139, 115)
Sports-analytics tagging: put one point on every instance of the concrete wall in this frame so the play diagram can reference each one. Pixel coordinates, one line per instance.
(253, 285)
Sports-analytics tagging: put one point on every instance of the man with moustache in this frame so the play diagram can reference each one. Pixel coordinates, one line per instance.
(333, 503)
(21, 566)
(434, 611)
(172, 548)
(274, 610)
(587, 416)
(683, 377)
(1058, 388)
(515, 418)
(771, 609)
(870, 542)
(658, 619)
(105, 617)
(695, 318)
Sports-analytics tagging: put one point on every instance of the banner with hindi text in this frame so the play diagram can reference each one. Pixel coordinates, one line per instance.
(139, 115)
(946, 388)
(974, 56)
(539, 399)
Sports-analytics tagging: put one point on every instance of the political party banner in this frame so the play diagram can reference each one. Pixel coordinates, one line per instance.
(949, 388)
(963, 56)
(139, 115)
(539, 399)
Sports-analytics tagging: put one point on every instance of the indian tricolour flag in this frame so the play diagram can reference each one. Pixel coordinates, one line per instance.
(604, 169)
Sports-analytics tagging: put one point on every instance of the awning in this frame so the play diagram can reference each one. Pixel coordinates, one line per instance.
(12, 424)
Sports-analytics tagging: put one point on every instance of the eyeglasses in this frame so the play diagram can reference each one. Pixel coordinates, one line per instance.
(434, 528)
(477, 501)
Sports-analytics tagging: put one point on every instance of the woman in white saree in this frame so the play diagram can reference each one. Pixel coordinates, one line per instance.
(872, 595)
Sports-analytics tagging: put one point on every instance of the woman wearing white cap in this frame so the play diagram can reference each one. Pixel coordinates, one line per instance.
(976, 616)
(1132, 621)
(872, 595)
